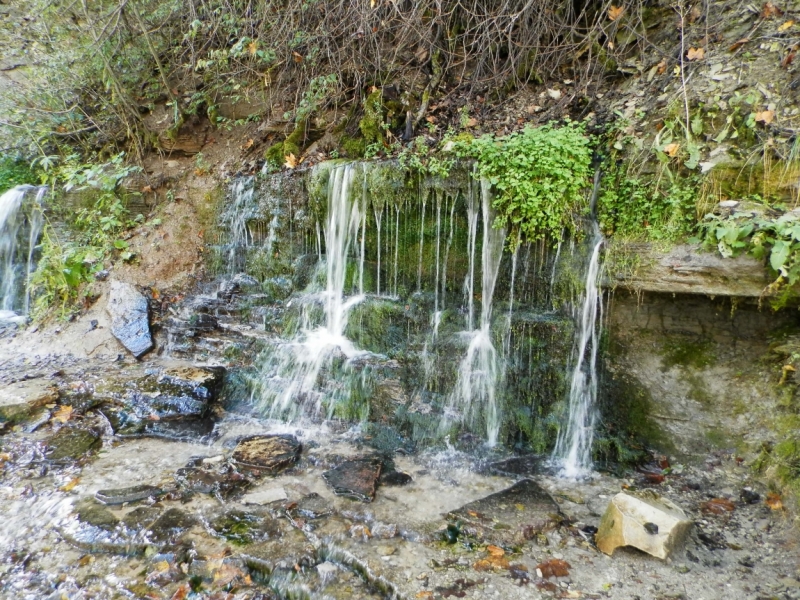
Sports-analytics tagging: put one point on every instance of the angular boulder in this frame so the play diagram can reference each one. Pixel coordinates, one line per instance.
(648, 522)
(19, 400)
(356, 479)
(130, 323)
(267, 454)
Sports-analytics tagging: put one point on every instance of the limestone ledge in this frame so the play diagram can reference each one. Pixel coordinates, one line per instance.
(688, 269)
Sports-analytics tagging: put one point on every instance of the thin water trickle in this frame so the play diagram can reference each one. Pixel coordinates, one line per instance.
(20, 225)
(573, 450)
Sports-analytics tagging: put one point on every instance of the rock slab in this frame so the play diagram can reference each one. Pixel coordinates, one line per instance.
(356, 479)
(267, 454)
(19, 400)
(648, 522)
(130, 323)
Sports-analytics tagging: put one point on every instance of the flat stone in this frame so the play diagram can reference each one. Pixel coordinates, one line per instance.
(71, 443)
(129, 494)
(356, 479)
(648, 522)
(130, 323)
(313, 506)
(19, 400)
(510, 516)
(265, 496)
(267, 454)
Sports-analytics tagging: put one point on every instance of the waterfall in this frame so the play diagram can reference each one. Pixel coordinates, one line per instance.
(478, 373)
(573, 450)
(234, 217)
(290, 373)
(20, 227)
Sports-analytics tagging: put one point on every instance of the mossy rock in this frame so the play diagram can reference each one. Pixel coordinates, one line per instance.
(371, 125)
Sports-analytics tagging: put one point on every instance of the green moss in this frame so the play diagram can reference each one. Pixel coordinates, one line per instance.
(698, 389)
(371, 125)
(274, 155)
(353, 147)
(688, 353)
(293, 144)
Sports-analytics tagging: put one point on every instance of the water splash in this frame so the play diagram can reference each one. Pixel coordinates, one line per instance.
(573, 450)
(20, 227)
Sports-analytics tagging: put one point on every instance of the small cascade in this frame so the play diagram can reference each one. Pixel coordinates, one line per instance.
(573, 450)
(21, 225)
(234, 218)
(288, 387)
(478, 373)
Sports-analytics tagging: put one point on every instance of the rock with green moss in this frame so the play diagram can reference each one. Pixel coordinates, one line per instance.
(371, 125)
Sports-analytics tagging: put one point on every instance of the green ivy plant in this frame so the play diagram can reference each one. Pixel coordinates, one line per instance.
(538, 176)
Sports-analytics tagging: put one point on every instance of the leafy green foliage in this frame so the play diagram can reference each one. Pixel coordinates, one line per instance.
(15, 172)
(538, 176)
(420, 158)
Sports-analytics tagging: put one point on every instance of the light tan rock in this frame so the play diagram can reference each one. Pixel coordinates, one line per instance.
(19, 400)
(647, 521)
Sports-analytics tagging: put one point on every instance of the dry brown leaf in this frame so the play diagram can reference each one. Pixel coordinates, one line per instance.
(70, 485)
(769, 10)
(490, 563)
(615, 12)
(298, 58)
(788, 60)
(765, 116)
(252, 47)
(181, 592)
(425, 595)
(738, 44)
(147, 189)
(554, 568)
(63, 414)
(472, 122)
(672, 149)
(718, 506)
(696, 54)
(248, 144)
(495, 551)
(774, 501)
(662, 66)
(786, 26)
(291, 161)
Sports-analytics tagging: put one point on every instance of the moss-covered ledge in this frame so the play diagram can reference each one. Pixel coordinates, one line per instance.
(684, 269)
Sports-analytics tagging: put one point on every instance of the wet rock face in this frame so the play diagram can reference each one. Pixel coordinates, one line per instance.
(510, 516)
(356, 479)
(130, 324)
(71, 443)
(131, 494)
(19, 400)
(650, 523)
(267, 454)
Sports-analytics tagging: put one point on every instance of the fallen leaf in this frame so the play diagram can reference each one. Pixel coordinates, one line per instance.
(738, 44)
(554, 568)
(615, 12)
(70, 484)
(147, 189)
(696, 54)
(774, 501)
(291, 161)
(298, 58)
(718, 506)
(769, 10)
(765, 116)
(662, 66)
(495, 551)
(162, 566)
(788, 60)
(248, 144)
(672, 149)
(490, 563)
(425, 595)
(786, 26)
(181, 592)
(472, 122)
(63, 414)
(252, 47)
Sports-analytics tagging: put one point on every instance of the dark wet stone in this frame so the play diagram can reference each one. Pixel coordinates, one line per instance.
(395, 478)
(98, 516)
(141, 517)
(243, 528)
(130, 324)
(651, 528)
(748, 496)
(129, 494)
(267, 454)
(71, 443)
(313, 506)
(510, 516)
(517, 465)
(356, 479)
(221, 481)
(171, 524)
(199, 430)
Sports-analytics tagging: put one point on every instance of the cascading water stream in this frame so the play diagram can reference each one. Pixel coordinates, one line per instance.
(573, 450)
(20, 226)
(288, 388)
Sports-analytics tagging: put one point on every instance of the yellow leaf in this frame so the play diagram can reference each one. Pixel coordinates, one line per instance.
(63, 414)
(70, 484)
(248, 144)
(252, 47)
(615, 12)
(672, 149)
(786, 26)
(696, 54)
(765, 116)
(291, 161)
(162, 566)
(774, 502)
(372, 3)
(495, 551)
